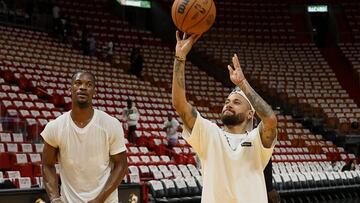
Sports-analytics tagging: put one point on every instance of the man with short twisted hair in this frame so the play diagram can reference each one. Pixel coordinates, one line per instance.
(90, 147)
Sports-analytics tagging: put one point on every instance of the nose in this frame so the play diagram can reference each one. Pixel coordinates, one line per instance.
(228, 106)
(83, 86)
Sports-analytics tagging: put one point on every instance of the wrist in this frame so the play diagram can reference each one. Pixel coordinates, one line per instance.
(242, 83)
(180, 58)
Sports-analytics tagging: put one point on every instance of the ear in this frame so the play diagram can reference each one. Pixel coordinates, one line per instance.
(250, 114)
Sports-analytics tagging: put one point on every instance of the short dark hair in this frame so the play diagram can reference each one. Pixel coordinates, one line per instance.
(83, 72)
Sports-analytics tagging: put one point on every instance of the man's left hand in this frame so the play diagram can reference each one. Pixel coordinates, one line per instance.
(274, 196)
(236, 73)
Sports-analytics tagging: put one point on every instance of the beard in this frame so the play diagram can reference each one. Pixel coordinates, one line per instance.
(232, 120)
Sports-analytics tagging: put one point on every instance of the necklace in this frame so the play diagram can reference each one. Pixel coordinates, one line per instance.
(228, 141)
(84, 122)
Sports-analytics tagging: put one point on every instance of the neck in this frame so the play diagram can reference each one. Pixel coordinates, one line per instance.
(236, 129)
(81, 114)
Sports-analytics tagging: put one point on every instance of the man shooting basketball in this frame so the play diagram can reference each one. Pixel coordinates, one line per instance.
(89, 145)
(233, 158)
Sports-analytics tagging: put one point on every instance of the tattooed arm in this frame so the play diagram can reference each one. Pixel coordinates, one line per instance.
(185, 110)
(268, 123)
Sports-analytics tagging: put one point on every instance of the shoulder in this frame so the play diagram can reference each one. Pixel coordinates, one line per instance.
(206, 123)
(105, 116)
(59, 120)
(106, 119)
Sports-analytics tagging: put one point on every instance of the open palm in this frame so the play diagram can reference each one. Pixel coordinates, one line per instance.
(236, 73)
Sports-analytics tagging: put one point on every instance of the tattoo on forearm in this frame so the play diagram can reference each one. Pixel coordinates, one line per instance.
(270, 133)
(179, 69)
(187, 118)
(262, 108)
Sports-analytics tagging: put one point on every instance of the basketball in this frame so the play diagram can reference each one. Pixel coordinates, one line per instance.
(193, 16)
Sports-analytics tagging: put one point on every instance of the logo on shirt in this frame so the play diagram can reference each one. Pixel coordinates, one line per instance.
(246, 144)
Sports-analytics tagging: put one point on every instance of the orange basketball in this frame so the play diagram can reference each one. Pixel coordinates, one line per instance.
(193, 16)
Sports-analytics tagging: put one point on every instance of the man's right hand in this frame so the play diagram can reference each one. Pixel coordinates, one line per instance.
(184, 45)
(274, 196)
(56, 201)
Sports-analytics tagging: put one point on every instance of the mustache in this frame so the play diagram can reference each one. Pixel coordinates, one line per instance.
(228, 109)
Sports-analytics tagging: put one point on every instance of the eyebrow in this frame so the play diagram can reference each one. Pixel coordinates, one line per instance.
(233, 100)
(87, 81)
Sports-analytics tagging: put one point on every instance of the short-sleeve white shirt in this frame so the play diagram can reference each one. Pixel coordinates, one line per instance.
(84, 154)
(131, 115)
(232, 175)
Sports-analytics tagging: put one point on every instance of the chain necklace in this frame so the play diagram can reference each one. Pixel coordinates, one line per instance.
(84, 122)
(228, 141)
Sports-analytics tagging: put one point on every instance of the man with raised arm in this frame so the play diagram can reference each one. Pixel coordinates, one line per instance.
(233, 157)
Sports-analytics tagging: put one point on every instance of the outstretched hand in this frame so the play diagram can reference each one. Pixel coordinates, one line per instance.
(236, 73)
(184, 45)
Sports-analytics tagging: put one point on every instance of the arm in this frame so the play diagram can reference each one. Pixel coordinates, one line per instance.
(185, 110)
(124, 114)
(49, 172)
(115, 178)
(166, 126)
(137, 113)
(268, 124)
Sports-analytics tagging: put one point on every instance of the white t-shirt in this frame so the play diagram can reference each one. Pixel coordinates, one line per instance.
(131, 115)
(84, 154)
(171, 127)
(231, 176)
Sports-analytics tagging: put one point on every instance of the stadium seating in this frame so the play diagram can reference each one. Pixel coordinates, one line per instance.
(174, 190)
(352, 53)
(351, 10)
(295, 71)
